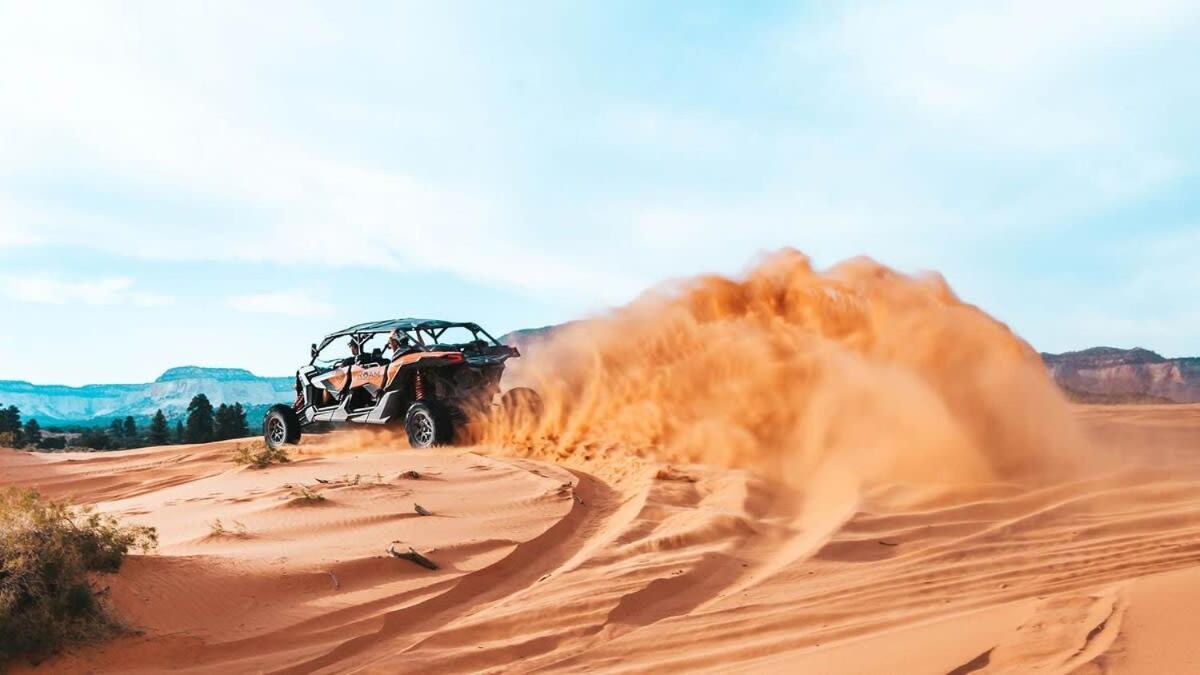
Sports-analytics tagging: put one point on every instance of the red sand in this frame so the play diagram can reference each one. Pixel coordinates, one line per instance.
(698, 569)
(842, 471)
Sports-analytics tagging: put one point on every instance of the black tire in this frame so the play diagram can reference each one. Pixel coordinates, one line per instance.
(521, 404)
(428, 424)
(281, 426)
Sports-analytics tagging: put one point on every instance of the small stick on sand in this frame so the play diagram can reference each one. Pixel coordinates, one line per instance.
(333, 576)
(321, 480)
(412, 556)
(422, 510)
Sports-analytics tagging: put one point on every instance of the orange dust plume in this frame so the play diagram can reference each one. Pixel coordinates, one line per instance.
(859, 370)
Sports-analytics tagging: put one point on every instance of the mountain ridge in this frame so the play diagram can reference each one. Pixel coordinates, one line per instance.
(170, 392)
(1119, 375)
(1095, 375)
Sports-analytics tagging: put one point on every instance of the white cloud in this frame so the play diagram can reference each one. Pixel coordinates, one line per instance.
(17, 224)
(1017, 72)
(158, 119)
(108, 291)
(181, 103)
(285, 303)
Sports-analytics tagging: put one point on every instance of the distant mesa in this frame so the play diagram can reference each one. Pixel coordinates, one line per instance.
(1107, 375)
(197, 373)
(1113, 375)
(1096, 375)
(171, 392)
(527, 336)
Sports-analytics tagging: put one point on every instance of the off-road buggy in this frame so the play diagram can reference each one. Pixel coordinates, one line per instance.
(429, 375)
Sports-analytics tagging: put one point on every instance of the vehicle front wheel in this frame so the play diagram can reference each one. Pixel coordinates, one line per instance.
(427, 425)
(281, 426)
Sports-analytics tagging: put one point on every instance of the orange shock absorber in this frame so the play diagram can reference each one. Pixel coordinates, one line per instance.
(419, 387)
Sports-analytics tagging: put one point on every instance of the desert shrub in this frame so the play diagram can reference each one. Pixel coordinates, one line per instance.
(259, 455)
(10, 439)
(302, 495)
(218, 529)
(96, 439)
(52, 443)
(47, 550)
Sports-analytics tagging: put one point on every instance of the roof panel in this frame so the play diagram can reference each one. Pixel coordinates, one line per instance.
(400, 324)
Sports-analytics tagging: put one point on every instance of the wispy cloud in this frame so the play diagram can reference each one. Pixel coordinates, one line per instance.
(924, 133)
(1024, 73)
(108, 291)
(285, 303)
(165, 125)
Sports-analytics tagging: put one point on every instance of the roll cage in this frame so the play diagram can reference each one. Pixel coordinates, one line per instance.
(423, 334)
(441, 374)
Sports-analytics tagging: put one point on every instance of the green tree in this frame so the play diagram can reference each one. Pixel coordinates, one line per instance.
(116, 429)
(222, 428)
(179, 433)
(231, 422)
(129, 428)
(10, 419)
(10, 427)
(33, 432)
(96, 439)
(159, 433)
(200, 420)
(241, 429)
(53, 443)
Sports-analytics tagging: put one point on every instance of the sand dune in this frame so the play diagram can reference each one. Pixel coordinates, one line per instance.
(844, 471)
(621, 564)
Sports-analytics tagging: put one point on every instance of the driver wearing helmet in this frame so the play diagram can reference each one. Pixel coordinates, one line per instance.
(399, 343)
(355, 357)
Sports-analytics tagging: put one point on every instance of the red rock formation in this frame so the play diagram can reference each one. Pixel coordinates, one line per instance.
(1111, 375)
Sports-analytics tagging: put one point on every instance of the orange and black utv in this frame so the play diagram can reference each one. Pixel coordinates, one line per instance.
(429, 375)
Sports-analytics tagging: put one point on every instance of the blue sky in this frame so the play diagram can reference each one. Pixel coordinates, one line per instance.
(220, 183)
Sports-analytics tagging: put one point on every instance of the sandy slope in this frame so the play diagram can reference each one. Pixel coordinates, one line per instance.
(614, 563)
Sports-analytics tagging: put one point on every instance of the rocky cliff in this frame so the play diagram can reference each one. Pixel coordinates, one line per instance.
(1111, 375)
(171, 392)
(1097, 375)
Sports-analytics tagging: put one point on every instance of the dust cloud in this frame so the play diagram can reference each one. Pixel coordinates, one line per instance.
(858, 371)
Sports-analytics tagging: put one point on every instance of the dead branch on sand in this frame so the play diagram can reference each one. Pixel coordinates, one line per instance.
(412, 556)
(422, 510)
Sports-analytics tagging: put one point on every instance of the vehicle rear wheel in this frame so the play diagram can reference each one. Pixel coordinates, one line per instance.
(281, 426)
(521, 404)
(428, 424)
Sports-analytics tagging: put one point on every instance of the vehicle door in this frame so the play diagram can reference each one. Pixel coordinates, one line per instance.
(336, 361)
(369, 370)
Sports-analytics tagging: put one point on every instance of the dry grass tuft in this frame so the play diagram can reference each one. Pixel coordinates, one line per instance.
(47, 550)
(218, 529)
(259, 456)
(303, 496)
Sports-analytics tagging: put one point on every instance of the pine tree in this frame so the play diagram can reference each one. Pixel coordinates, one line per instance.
(231, 422)
(224, 427)
(200, 420)
(116, 429)
(10, 419)
(159, 433)
(96, 439)
(179, 434)
(129, 428)
(10, 427)
(33, 432)
(239, 419)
